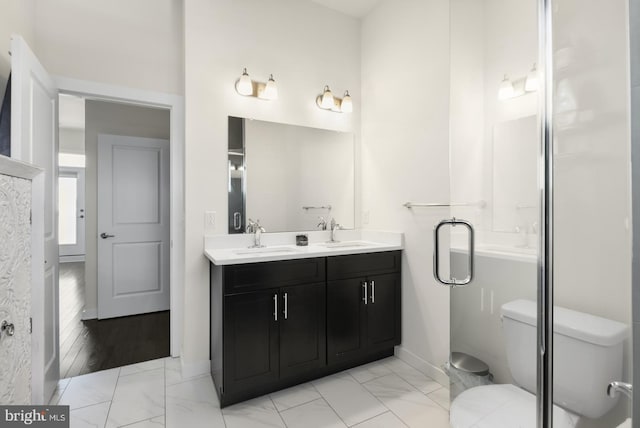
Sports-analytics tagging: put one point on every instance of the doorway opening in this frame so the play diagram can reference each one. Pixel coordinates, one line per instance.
(112, 266)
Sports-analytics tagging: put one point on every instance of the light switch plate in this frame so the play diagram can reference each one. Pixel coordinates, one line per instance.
(365, 217)
(209, 221)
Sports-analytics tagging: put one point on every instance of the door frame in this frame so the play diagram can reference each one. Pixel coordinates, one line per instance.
(175, 105)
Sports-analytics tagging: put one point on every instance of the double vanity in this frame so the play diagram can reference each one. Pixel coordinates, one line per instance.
(285, 314)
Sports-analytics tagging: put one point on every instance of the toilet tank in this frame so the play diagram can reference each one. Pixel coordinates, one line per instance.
(587, 355)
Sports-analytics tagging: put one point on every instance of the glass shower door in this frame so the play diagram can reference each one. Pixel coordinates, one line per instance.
(592, 210)
(495, 182)
(488, 239)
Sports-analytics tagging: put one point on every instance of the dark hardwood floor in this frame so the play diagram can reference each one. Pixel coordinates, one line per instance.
(90, 346)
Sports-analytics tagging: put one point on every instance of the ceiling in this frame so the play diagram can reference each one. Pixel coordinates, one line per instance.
(355, 8)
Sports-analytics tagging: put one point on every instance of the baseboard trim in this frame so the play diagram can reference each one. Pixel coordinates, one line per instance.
(434, 372)
(195, 369)
(70, 259)
(89, 314)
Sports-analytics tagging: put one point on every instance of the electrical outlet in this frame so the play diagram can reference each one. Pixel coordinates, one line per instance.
(365, 217)
(209, 221)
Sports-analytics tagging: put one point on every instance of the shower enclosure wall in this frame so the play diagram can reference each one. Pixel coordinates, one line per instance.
(498, 126)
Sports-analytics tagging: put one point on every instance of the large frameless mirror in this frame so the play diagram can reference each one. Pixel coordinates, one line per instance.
(290, 178)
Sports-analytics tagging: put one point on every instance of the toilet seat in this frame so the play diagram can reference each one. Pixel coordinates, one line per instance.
(502, 406)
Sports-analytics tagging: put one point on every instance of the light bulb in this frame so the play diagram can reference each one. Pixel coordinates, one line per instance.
(347, 104)
(327, 99)
(506, 90)
(270, 90)
(244, 85)
(532, 83)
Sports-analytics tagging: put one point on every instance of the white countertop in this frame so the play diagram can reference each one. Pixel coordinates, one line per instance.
(234, 249)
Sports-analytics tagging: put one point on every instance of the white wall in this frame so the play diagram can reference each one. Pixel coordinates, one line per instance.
(72, 141)
(283, 37)
(16, 17)
(289, 167)
(116, 119)
(138, 44)
(405, 152)
(489, 39)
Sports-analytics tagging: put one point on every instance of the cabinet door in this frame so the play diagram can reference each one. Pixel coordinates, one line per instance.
(302, 329)
(346, 320)
(383, 312)
(250, 341)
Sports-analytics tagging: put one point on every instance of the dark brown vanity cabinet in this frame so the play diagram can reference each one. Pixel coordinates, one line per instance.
(276, 324)
(363, 305)
(274, 334)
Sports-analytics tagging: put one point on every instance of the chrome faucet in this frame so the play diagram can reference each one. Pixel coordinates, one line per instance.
(323, 223)
(616, 387)
(334, 226)
(257, 230)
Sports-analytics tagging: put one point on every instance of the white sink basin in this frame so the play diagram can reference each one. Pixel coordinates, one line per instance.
(345, 244)
(265, 250)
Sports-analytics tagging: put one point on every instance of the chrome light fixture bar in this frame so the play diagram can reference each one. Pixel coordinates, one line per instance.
(327, 101)
(516, 88)
(250, 88)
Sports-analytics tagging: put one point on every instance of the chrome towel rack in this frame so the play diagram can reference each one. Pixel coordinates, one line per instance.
(323, 207)
(479, 204)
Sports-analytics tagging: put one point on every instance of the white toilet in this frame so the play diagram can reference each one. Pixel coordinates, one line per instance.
(588, 355)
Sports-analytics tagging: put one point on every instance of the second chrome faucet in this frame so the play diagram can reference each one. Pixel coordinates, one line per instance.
(257, 230)
(334, 226)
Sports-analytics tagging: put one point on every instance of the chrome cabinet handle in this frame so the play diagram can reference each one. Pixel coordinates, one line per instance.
(286, 305)
(373, 291)
(7, 328)
(453, 282)
(275, 307)
(105, 235)
(237, 220)
(365, 285)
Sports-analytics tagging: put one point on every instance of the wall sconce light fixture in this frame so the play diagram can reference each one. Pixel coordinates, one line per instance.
(514, 88)
(327, 101)
(506, 89)
(244, 85)
(249, 88)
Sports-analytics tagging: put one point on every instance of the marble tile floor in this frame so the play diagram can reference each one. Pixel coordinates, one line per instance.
(384, 394)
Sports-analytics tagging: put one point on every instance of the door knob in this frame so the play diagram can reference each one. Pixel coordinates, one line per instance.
(8, 328)
(105, 236)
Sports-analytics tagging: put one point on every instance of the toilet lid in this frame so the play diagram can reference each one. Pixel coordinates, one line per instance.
(502, 406)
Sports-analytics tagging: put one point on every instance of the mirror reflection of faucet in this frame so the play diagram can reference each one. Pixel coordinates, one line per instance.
(522, 236)
(323, 223)
(257, 230)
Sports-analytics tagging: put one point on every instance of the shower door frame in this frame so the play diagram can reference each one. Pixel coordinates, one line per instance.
(544, 397)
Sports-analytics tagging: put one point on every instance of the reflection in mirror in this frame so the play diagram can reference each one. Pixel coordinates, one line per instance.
(515, 176)
(289, 177)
